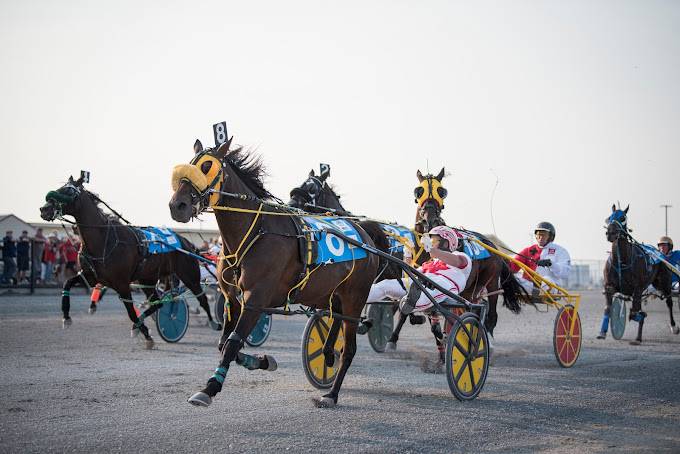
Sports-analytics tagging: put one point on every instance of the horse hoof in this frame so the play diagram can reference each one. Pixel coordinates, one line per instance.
(324, 402)
(92, 310)
(636, 342)
(675, 329)
(273, 365)
(149, 343)
(200, 399)
(66, 323)
(214, 325)
(391, 346)
(134, 332)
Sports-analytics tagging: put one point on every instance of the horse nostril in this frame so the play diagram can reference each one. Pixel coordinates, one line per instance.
(182, 206)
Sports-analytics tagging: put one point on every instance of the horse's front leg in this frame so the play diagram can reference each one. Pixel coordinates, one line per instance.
(231, 352)
(605, 318)
(66, 297)
(232, 312)
(125, 297)
(638, 315)
(669, 303)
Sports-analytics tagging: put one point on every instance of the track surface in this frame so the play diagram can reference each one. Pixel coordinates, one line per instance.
(92, 387)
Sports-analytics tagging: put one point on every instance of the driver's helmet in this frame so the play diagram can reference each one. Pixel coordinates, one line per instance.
(446, 233)
(546, 227)
(666, 240)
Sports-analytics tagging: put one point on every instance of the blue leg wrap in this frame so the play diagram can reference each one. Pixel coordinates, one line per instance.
(220, 374)
(605, 324)
(247, 361)
(65, 293)
(640, 316)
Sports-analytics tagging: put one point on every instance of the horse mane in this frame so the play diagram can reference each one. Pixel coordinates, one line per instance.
(110, 217)
(250, 169)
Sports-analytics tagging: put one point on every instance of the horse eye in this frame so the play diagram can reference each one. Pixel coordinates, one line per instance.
(418, 192)
(205, 167)
(442, 192)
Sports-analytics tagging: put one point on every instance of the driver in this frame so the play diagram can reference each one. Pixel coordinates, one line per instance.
(447, 267)
(548, 259)
(665, 245)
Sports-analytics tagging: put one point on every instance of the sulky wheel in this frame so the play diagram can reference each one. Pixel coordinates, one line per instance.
(467, 357)
(316, 331)
(260, 333)
(172, 319)
(383, 325)
(218, 308)
(567, 344)
(617, 317)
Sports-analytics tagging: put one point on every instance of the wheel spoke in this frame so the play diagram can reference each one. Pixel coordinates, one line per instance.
(314, 355)
(461, 370)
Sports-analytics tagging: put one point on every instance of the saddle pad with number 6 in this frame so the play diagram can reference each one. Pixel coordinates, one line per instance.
(328, 247)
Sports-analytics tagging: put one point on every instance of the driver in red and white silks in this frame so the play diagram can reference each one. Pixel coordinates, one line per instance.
(548, 259)
(447, 267)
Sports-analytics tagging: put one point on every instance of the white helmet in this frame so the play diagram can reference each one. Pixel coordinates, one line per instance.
(446, 233)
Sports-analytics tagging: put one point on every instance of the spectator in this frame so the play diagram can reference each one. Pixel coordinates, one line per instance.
(39, 241)
(9, 254)
(23, 255)
(205, 247)
(50, 258)
(69, 252)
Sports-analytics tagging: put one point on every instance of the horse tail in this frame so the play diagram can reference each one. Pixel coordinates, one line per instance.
(386, 269)
(513, 292)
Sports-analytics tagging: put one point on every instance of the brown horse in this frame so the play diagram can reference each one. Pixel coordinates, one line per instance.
(112, 254)
(261, 241)
(488, 275)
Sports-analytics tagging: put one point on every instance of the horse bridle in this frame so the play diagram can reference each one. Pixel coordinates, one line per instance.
(200, 199)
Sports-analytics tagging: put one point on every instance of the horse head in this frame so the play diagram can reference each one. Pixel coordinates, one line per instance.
(429, 196)
(65, 200)
(315, 192)
(617, 223)
(198, 183)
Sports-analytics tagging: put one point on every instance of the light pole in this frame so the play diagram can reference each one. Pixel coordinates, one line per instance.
(666, 207)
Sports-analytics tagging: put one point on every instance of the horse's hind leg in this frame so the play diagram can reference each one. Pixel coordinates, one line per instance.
(436, 328)
(152, 298)
(125, 297)
(348, 352)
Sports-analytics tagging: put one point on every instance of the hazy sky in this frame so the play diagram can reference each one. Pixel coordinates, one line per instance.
(572, 104)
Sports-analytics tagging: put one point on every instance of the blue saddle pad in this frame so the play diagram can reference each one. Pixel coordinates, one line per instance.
(474, 250)
(654, 256)
(330, 248)
(394, 232)
(160, 240)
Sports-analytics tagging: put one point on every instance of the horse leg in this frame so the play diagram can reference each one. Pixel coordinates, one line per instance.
(125, 297)
(638, 315)
(436, 328)
(348, 352)
(200, 295)
(152, 298)
(605, 318)
(66, 298)
(669, 304)
(231, 316)
(392, 342)
(231, 352)
(95, 297)
(329, 345)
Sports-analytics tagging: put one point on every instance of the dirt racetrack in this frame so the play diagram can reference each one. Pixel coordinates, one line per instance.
(92, 387)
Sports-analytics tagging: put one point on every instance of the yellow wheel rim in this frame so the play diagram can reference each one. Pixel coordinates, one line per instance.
(315, 358)
(467, 370)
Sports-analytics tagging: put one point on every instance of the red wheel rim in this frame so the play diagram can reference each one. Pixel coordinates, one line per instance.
(567, 345)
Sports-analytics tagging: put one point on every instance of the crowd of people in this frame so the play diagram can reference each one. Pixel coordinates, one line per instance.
(50, 259)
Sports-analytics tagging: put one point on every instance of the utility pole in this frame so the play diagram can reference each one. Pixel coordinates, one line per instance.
(666, 207)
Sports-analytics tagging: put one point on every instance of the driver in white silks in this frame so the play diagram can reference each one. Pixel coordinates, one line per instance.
(448, 268)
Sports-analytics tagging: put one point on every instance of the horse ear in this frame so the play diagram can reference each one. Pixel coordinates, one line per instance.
(626, 210)
(613, 207)
(70, 179)
(440, 175)
(198, 146)
(311, 173)
(419, 175)
(223, 149)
